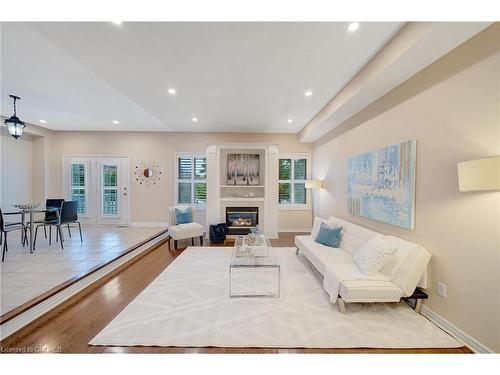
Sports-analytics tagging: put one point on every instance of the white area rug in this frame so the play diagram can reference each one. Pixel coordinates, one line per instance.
(188, 305)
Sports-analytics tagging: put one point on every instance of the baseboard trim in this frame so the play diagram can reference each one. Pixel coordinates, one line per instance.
(295, 230)
(149, 224)
(454, 331)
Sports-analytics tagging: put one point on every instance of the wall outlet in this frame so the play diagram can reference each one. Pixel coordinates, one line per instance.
(441, 290)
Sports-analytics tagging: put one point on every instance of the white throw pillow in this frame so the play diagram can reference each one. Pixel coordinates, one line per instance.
(373, 255)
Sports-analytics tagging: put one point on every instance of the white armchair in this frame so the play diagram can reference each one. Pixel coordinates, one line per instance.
(183, 231)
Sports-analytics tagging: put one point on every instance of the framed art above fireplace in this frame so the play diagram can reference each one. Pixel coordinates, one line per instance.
(243, 169)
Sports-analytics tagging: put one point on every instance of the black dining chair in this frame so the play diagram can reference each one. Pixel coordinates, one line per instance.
(52, 212)
(51, 206)
(24, 233)
(68, 215)
(4, 229)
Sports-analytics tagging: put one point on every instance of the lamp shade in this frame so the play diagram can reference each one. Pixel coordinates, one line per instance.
(314, 184)
(479, 174)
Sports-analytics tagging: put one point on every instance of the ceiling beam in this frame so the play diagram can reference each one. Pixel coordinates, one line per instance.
(415, 46)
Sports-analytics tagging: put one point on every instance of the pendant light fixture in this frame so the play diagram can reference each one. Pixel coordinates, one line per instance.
(14, 124)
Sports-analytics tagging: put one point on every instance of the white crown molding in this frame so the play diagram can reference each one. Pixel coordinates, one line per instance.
(454, 331)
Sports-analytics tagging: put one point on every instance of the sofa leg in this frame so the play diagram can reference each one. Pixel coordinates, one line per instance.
(297, 251)
(175, 244)
(341, 303)
(201, 240)
(418, 305)
(168, 243)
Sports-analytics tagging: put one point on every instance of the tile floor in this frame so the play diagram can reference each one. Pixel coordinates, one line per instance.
(25, 276)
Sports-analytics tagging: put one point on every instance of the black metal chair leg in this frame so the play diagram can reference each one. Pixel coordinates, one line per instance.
(34, 240)
(50, 235)
(60, 236)
(69, 230)
(80, 228)
(4, 247)
(1, 238)
(45, 231)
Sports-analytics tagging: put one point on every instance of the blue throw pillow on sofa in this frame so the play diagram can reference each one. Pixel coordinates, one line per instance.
(329, 236)
(183, 215)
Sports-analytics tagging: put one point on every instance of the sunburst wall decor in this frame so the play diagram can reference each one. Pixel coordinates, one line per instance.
(148, 173)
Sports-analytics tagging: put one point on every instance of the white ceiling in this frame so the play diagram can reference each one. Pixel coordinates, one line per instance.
(241, 77)
(415, 47)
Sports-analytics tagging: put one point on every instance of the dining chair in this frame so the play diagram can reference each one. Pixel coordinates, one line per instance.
(67, 215)
(24, 234)
(51, 206)
(4, 229)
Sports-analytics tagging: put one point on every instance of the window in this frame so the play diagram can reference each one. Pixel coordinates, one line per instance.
(293, 173)
(191, 182)
(109, 190)
(78, 187)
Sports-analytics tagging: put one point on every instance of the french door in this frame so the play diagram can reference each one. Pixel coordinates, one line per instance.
(100, 185)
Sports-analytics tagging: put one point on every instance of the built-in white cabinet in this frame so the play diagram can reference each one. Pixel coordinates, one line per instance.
(224, 189)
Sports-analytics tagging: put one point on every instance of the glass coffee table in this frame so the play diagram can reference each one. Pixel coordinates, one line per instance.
(254, 271)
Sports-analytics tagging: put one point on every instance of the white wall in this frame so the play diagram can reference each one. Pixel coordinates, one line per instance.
(17, 181)
(452, 109)
(150, 204)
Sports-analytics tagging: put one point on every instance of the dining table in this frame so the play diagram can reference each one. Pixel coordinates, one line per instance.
(30, 209)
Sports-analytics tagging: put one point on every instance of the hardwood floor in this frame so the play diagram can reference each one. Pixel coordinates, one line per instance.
(70, 327)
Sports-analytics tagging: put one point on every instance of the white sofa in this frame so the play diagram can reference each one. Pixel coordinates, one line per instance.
(344, 282)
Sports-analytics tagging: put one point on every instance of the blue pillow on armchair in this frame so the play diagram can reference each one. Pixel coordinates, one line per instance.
(183, 215)
(329, 236)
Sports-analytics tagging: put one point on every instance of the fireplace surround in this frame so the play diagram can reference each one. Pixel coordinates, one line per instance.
(240, 220)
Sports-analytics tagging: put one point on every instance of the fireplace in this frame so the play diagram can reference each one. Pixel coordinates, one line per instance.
(240, 220)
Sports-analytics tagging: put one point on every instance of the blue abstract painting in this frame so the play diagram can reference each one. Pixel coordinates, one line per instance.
(381, 184)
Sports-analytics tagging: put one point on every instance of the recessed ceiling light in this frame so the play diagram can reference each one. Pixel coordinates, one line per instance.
(116, 122)
(172, 91)
(353, 26)
(290, 120)
(43, 121)
(194, 119)
(117, 22)
(308, 93)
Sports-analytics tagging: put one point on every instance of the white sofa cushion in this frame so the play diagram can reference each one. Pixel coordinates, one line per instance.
(373, 255)
(182, 231)
(319, 255)
(353, 236)
(340, 263)
(369, 291)
(410, 269)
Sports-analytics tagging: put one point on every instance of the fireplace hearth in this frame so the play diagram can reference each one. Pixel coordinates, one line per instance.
(240, 220)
